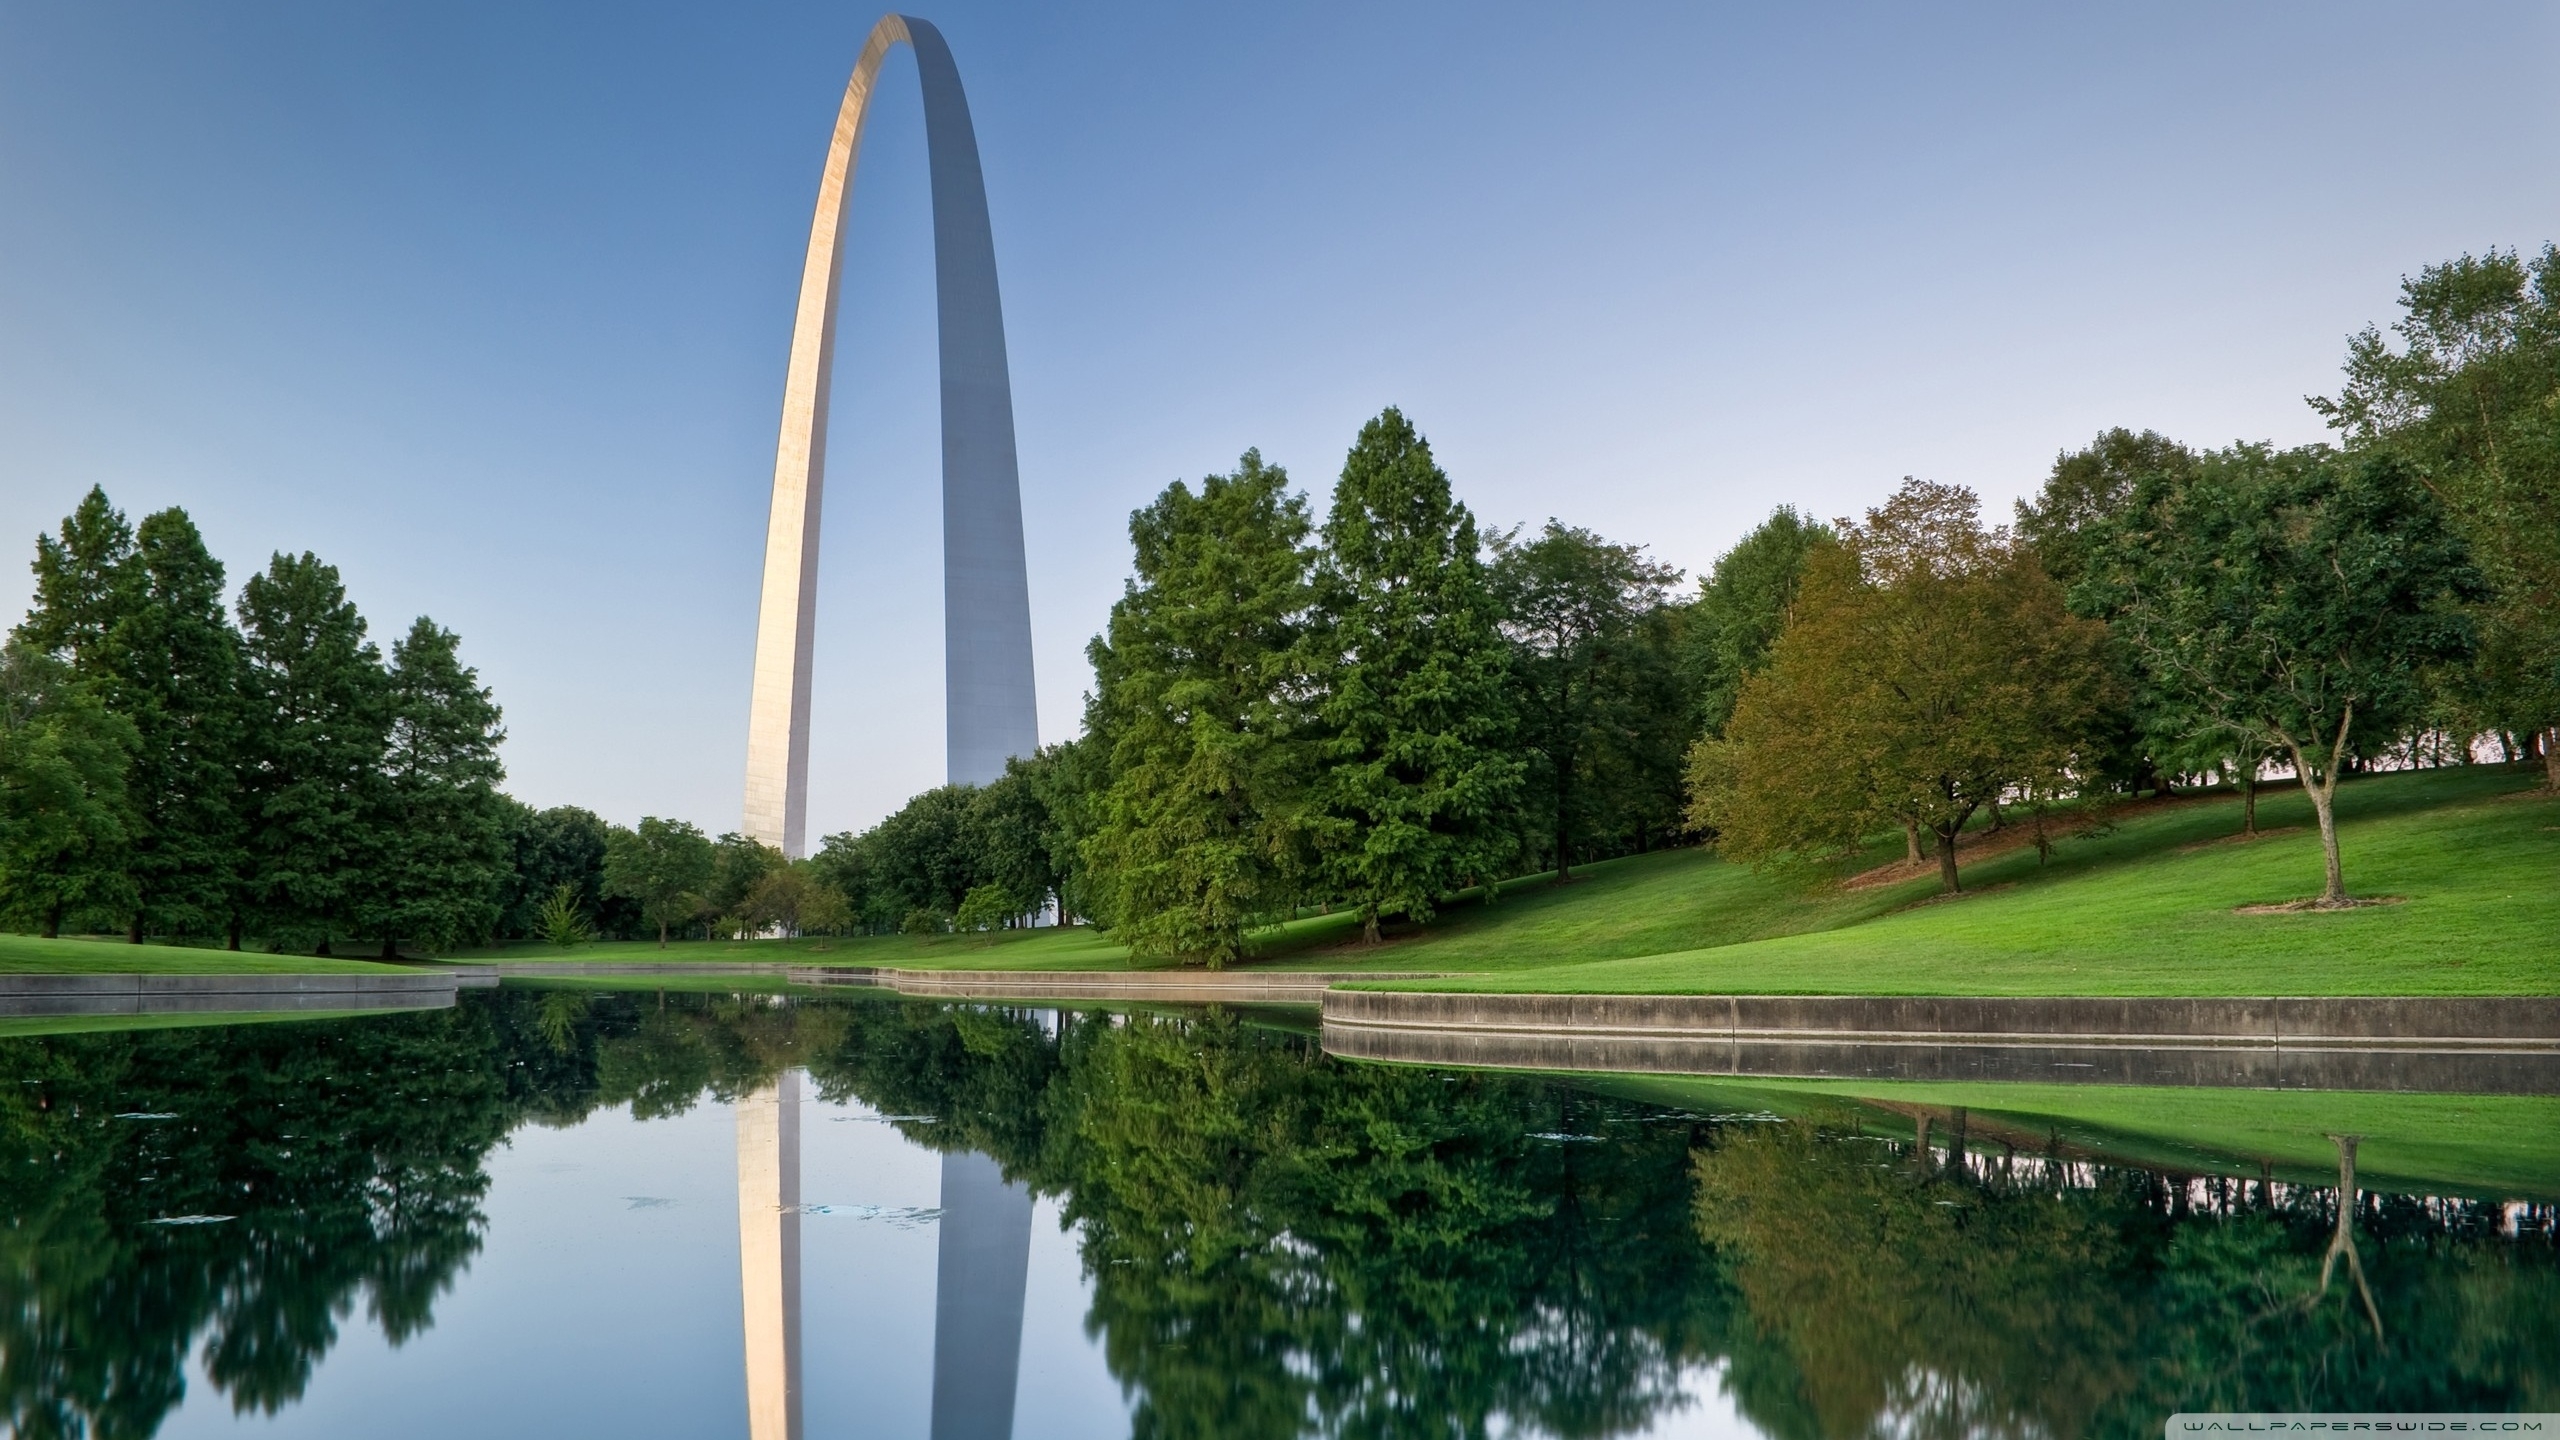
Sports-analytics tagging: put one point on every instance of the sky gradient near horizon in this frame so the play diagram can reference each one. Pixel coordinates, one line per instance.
(488, 304)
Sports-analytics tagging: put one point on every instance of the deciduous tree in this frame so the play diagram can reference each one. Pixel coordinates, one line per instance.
(1931, 670)
(1741, 607)
(664, 865)
(2470, 398)
(1574, 608)
(2300, 596)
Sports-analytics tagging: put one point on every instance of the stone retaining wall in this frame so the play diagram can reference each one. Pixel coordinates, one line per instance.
(23, 996)
(2465, 1044)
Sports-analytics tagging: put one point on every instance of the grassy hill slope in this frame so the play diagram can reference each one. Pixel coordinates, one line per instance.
(2149, 905)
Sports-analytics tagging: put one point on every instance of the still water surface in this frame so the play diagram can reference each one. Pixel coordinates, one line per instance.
(621, 1214)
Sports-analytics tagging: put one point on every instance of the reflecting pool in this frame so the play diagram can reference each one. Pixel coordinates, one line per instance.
(593, 1212)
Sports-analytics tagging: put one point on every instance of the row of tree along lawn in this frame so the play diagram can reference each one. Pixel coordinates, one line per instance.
(1387, 709)
(1390, 708)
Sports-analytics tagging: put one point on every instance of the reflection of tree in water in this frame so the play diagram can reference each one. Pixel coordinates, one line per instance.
(1279, 1243)
(1894, 1294)
(1284, 1244)
(346, 1159)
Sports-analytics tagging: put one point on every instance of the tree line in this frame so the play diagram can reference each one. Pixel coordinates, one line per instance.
(174, 766)
(1391, 707)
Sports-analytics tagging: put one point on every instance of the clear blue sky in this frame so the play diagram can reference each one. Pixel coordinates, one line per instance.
(488, 303)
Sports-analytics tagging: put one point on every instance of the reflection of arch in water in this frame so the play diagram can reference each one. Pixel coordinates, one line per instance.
(769, 1255)
(982, 1263)
(986, 599)
(979, 1275)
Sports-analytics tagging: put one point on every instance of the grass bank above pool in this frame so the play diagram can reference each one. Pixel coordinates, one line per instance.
(101, 955)
(2469, 858)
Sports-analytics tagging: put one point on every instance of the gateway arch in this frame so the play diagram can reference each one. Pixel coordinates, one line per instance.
(986, 598)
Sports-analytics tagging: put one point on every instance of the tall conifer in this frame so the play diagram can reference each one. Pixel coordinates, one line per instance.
(177, 664)
(319, 715)
(1202, 692)
(1416, 781)
(439, 844)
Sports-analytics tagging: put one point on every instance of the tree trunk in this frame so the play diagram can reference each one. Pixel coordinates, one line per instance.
(53, 921)
(2249, 804)
(133, 929)
(323, 951)
(662, 934)
(390, 947)
(1911, 842)
(2551, 758)
(1369, 924)
(231, 933)
(2323, 793)
(1997, 820)
(1947, 883)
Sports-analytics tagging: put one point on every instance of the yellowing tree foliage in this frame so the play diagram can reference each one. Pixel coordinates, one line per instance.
(1929, 669)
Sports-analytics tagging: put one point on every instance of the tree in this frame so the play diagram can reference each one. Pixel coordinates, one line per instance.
(64, 813)
(563, 845)
(781, 900)
(1068, 781)
(1203, 689)
(2145, 738)
(1009, 841)
(1416, 784)
(1741, 607)
(81, 592)
(440, 844)
(739, 864)
(665, 865)
(1573, 608)
(178, 674)
(2471, 401)
(1931, 670)
(2300, 596)
(139, 617)
(319, 716)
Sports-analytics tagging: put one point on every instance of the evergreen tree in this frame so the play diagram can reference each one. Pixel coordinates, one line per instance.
(177, 664)
(439, 845)
(81, 590)
(64, 816)
(1202, 691)
(1417, 783)
(318, 713)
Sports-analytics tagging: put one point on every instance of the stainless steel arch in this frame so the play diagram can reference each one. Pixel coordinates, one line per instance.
(986, 595)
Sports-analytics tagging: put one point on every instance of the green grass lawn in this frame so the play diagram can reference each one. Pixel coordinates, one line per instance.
(2497, 1147)
(2148, 909)
(102, 955)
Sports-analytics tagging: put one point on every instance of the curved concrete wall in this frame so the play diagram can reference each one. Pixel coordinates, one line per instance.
(991, 714)
(2471, 1045)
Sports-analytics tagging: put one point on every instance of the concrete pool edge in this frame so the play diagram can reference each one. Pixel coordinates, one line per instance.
(2465, 1044)
(50, 996)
